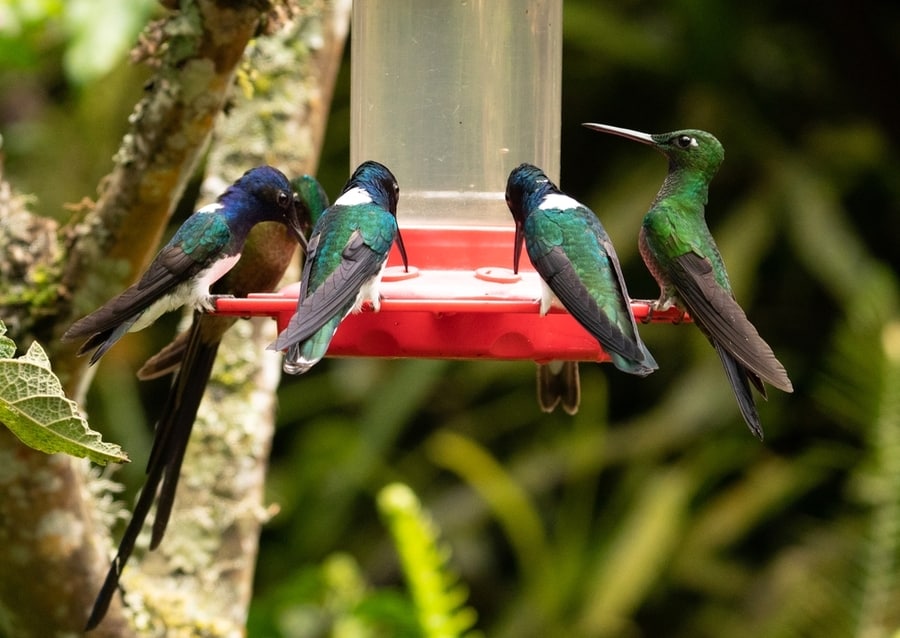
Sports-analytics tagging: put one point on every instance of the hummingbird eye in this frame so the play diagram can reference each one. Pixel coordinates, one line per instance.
(685, 141)
(283, 199)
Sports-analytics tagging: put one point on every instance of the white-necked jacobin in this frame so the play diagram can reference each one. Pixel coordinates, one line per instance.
(266, 255)
(346, 254)
(205, 247)
(578, 265)
(682, 256)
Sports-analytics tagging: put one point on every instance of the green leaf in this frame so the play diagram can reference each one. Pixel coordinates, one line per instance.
(438, 594)
(35, 409)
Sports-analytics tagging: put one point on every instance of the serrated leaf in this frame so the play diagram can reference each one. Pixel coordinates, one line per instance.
(34, 408)
(7, 346)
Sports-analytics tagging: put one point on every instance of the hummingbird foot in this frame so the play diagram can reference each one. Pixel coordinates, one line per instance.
(367, 293)
(662, 304)
(207, 303)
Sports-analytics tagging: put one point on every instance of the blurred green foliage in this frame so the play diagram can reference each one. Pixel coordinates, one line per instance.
(32, 29)
(653, 512)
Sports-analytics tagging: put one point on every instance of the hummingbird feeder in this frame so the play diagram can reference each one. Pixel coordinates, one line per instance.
(451, 98)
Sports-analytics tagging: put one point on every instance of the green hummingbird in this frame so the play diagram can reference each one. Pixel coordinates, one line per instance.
(575, 258)
(682, 256)
(347, 252)
(266, 254)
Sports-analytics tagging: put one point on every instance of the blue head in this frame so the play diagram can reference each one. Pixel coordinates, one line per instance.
(262, 194)
(379, 182)
(526, 188)
(381, 186)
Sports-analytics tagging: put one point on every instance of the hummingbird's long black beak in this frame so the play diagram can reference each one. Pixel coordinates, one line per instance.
(402, 250)
(299, 222)
(637, 136)
(517, 246)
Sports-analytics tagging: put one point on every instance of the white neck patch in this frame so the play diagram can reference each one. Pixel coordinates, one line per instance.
(558, 200)
(211, 208)
(353, 197)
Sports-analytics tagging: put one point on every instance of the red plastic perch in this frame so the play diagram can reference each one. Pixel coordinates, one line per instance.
(459, 300)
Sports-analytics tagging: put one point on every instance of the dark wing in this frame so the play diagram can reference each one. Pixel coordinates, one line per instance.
(359, 263)
(556, 269)
(312, 251)
(171, 267)
(613, 260)
(714, 309)
(202, 236)
(266, 255)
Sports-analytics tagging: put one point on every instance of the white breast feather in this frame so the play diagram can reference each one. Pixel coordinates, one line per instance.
(547, 298)
(369, 292)
(193, 294)
(199, 292)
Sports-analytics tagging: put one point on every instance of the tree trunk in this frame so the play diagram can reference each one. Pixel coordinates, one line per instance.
(53, 514)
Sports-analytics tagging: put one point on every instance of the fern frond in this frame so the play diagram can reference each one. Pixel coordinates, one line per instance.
(438, 595)
(878, 615)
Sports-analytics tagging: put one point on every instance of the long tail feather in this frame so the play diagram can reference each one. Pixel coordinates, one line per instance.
(164, 464)
(739, 378)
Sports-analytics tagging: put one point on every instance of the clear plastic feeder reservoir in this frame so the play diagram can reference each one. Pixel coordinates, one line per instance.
(453, 95)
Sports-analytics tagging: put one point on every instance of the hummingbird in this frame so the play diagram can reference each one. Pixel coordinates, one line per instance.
(190, 356)
(206, 246)
(577, 263)
(346, 254)
(682, 256)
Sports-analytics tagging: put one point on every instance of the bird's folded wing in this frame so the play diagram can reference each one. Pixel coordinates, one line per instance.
(358, 264)
(556, 269)
(171, 267)
(716, 311)
(613, 260)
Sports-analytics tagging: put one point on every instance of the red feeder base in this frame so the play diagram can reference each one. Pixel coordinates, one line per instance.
(456, 302)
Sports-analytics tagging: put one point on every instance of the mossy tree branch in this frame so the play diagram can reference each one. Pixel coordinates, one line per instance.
(196, 51)
(201, 576)
(49, 523)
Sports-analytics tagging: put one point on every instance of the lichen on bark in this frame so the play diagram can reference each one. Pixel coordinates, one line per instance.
(30, 264)
(195, 53)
